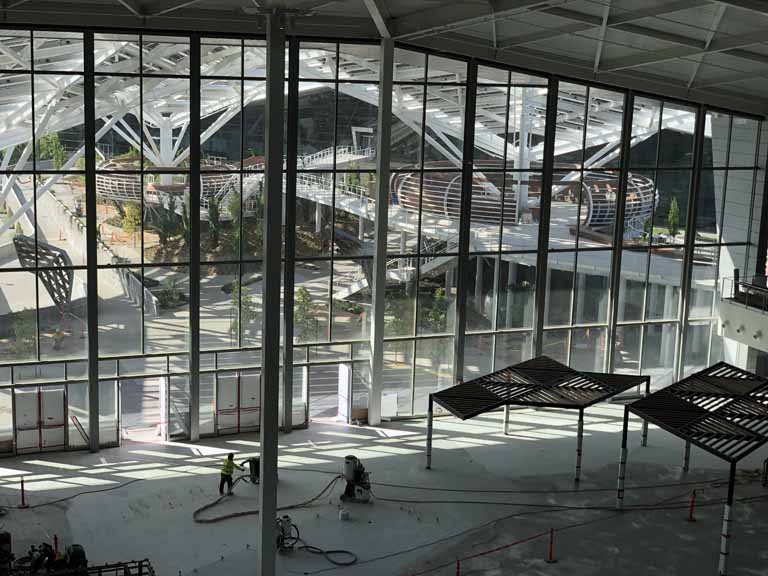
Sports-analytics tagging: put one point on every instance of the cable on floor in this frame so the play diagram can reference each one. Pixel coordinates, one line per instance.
(196, 515)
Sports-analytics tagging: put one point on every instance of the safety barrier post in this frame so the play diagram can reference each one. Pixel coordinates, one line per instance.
(551, 547)
(23, 496)
(691, 508)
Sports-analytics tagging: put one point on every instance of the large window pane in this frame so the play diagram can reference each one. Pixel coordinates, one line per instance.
(166, 309)
(436, 306)
(433, 369)
(663, 291)
(18, 318)
(517, 291)
(659, 345)
(512, 348)
(121, 297)
(397, 392)
(351, 299)
(400, 303)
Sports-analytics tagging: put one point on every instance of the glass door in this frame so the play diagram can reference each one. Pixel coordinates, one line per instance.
(41, 422)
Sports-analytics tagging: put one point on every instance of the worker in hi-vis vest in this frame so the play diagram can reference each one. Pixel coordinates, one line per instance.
(226, 473)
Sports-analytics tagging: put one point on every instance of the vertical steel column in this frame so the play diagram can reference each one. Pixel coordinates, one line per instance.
(687, 458)
(505, 427)
(91, 239)
(579, 444)
(542, 255)
(289, 269)
(270, 371)
(379, 288)
(618, 231)
(762, 241)
(430, 416)
(622, 462)
(725, 533)
(690, 237)
(644, 441)
(462, 268)
(194, 239)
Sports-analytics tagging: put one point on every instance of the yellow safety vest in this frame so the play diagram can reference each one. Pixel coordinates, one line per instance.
(228, 468)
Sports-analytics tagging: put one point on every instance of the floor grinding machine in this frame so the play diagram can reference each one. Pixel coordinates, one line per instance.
(358, 487)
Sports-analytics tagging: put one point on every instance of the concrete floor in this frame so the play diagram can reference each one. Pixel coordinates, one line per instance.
(151, 518)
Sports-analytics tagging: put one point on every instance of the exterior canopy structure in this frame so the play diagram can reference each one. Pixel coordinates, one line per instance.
(722, 409)
(539, 382)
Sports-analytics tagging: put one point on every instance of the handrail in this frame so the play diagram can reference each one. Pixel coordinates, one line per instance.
(751, 292)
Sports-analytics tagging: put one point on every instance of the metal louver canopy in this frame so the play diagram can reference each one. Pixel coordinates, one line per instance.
(722, 409)
(541, 382)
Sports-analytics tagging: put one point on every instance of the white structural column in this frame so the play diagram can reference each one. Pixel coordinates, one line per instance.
(380, 243)
(270, 372)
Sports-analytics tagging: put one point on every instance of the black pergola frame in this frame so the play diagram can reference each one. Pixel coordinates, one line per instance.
(723, 410)
(536, 383)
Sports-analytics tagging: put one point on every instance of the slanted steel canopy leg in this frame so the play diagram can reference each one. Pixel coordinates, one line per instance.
(687, 458)
(579, 444)
(725, 534)
(622, 462)
(430, 415)
(645, 421)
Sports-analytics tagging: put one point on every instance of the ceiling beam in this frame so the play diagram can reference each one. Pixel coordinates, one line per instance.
(758, 6)
(458, 15)
(576, 68)
(728, 79)
(601, 40)
(708, 42)
(132, 6)
(583, 21)
(173, 6)
(723, 44)
(380, 16)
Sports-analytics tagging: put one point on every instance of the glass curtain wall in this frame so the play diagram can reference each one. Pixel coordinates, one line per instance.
(337, 114)
(650, 299)
(510, 119)
(673, 235)
(727, 227)
(426, 156)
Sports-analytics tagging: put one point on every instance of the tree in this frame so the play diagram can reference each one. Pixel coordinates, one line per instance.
(244, 311)
(438, 312)
(132, 217)
(166, 221)
(304, 311)
(673, 218)
(214, 222)
(234, 205)
(185, 225)
(50, 148)
(648, 227)
(25, 332)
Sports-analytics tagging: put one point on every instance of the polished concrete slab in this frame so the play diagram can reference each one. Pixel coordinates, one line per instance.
(152, 516)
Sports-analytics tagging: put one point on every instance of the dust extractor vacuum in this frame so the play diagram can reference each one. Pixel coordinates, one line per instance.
(358, 487)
